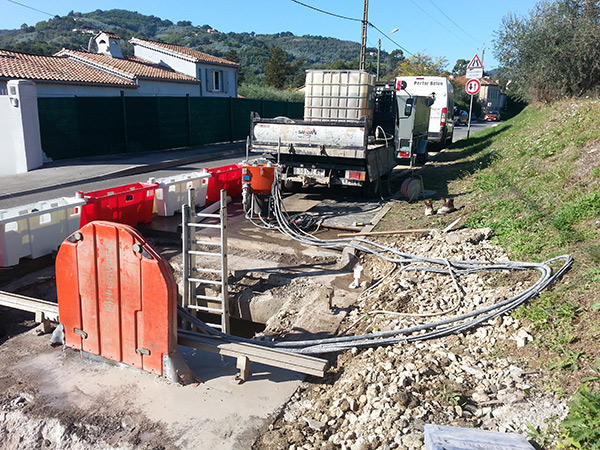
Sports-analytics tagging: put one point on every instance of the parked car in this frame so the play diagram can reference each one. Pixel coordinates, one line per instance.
(492, 115)
(461, 118)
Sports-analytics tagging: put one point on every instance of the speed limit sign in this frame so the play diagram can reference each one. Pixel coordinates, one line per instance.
(472, 87)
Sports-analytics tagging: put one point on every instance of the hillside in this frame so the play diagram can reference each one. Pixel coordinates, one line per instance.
(250, 49)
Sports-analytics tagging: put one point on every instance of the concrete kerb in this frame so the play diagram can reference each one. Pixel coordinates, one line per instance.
(133, 170)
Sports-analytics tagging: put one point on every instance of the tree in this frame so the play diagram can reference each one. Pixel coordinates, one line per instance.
(553, 53)
(460, 68)
(277, 68)
(420, 64)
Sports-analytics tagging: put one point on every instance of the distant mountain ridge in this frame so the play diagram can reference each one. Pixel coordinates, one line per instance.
(250, 49)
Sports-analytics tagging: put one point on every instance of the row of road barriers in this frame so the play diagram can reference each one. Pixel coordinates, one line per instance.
(38, 229)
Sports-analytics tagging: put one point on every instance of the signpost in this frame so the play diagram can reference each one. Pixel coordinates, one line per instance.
(472, 87)
(475, 68)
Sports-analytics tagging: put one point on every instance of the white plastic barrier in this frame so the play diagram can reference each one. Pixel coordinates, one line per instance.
(171, 192)
(37, 229)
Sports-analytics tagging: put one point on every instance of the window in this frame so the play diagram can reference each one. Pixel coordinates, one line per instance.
(216, 80)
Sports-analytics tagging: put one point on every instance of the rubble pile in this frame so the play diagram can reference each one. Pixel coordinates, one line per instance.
(382, 397)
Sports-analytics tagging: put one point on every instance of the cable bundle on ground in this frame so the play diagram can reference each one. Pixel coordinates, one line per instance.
(421, 332)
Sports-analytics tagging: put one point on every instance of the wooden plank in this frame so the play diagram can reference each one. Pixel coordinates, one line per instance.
(383, 233)
(255, 353)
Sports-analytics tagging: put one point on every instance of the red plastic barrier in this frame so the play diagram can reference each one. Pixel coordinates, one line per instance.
(117, 297)
(225, 177)
(129, 204)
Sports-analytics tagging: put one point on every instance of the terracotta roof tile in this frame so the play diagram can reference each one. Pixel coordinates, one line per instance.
(57, 69)
(195, 55)
(109, 34)
(130, 67)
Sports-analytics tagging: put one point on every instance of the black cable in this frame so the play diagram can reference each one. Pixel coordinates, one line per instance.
(32, 8)
(327, 12)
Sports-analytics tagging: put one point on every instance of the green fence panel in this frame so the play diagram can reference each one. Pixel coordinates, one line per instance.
(173, 122)
(296, 110)
(156, 123)
(60, 136)
(272, 108)
(210, 120)
(81, 126)
(142, 118)
(86, 126)
(241, 116)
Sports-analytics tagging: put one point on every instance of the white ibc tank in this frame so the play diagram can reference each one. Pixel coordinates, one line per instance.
(338, 95)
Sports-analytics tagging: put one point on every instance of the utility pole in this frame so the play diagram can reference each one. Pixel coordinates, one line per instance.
(363, 43)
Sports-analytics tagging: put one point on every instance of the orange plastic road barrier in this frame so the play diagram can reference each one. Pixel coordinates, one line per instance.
(116, 296)
(260, 176)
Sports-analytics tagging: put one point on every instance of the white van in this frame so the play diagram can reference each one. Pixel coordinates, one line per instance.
(441, 120)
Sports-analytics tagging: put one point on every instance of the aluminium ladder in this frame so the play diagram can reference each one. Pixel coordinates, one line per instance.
(196, 280)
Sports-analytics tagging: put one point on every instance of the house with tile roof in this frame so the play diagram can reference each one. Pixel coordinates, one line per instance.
(217, 75)
(490, 95)
(157, 69)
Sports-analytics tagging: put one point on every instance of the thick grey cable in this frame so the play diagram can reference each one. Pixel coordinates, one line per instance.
(438, 329)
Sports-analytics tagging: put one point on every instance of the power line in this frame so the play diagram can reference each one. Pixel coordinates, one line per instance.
(32, 8)
(457, 25)
(433, 18)
(387, 37)
(354, 20)
(327, 12)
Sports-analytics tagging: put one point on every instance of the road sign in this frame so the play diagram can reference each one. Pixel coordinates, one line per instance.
(472, 87)
(475, 63)
(474, 73)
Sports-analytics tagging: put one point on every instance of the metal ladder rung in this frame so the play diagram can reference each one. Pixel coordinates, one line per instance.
(207, 297)
(196, 250)
(205, 309)
(204, 225)
(200, 280)
(212, 216)
(216, 244)
(199, 253)
(199, 270)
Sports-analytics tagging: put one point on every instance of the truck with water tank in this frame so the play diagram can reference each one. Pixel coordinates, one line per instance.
(349, 134)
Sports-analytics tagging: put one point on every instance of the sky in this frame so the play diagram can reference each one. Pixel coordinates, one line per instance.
(441, 29)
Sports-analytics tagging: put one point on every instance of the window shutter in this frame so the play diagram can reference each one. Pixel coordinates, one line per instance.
(209, 80)
(225, 80)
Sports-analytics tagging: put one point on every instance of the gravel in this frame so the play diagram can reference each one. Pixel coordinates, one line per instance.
(382, 397)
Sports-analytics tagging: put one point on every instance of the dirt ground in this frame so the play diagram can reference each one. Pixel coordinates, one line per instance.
(375, 398)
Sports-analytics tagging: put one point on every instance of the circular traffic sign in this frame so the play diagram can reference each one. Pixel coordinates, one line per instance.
(472, 87)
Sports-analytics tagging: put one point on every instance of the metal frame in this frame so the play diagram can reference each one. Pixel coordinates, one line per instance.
(192, 222)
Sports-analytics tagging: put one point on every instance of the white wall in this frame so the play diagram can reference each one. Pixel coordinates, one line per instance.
(177, 64)
(196, 70)
(20, 146)
(146, 88)
(162, 88)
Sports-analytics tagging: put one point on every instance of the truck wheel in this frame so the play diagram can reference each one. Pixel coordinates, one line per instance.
(291, 186)
(371, 189)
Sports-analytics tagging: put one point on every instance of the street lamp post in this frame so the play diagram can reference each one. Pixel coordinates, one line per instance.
(379, 49)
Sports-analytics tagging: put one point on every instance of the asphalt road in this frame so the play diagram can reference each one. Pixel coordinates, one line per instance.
(478, 125)
(51, 193)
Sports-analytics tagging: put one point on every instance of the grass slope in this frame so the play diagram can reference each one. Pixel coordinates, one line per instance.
(535, 179)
